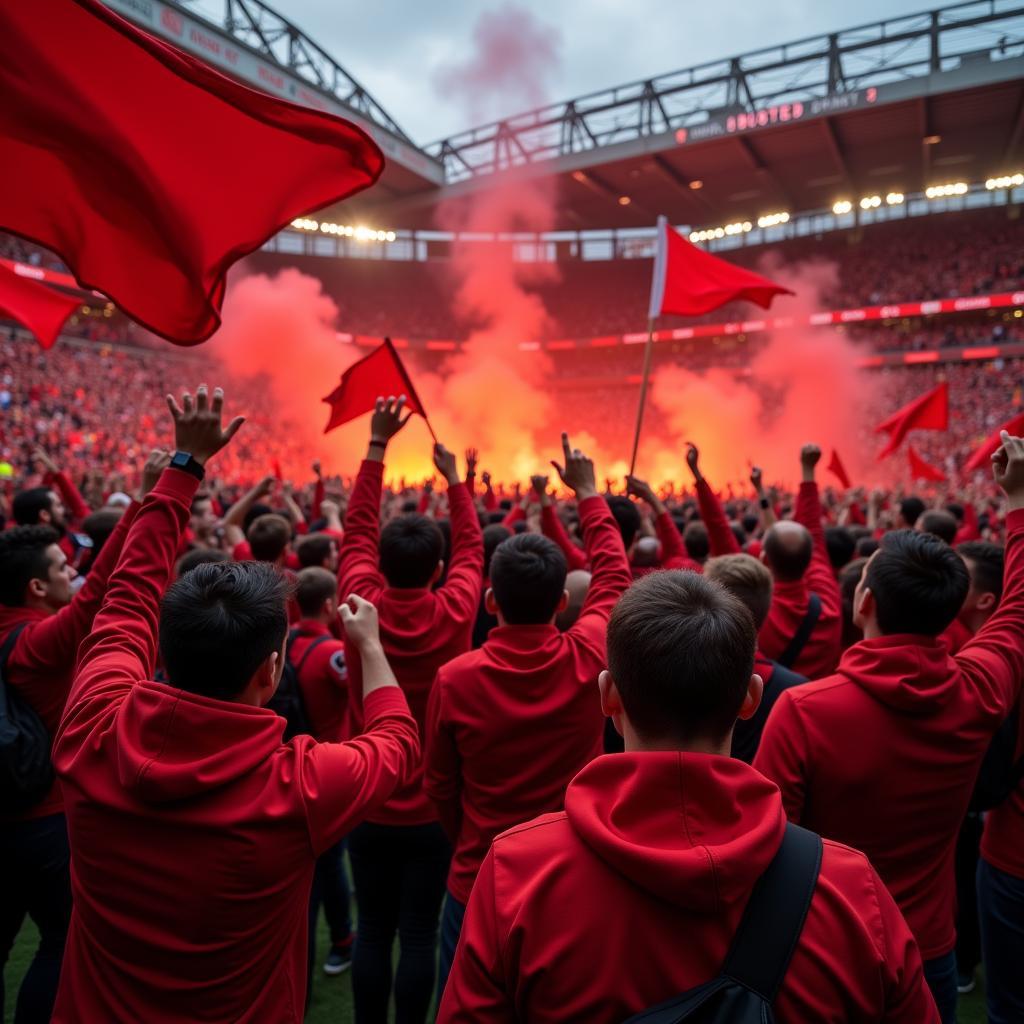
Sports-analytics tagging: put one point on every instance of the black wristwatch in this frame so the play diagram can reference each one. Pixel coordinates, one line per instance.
(184, 461)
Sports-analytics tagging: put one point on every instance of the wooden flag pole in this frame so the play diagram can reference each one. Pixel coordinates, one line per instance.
(643, 393)
(430, 428)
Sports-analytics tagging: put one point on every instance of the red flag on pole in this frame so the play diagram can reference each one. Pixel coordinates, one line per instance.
(689, 281)
(982, 456)
(148, 172)
(921, 470)
(379, 373)
(929, 412)
(38, 307)
(837, 469)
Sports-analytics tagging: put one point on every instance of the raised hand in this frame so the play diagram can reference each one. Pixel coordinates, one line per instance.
(359, 617)
(472, 457)
(641, 489)
(756, 479)
(40, 456)
(387, 420)
(539, 484)
(486, 479)
(444, 460)
(197, 423)
(578, 472)
(316, 469)
(693, 460)
(1008, 468)
(809, 457)
(156, 463)
(265, 486)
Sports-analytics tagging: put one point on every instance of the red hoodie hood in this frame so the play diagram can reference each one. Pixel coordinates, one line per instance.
(910, 673)
(173, 744)
(695, 830)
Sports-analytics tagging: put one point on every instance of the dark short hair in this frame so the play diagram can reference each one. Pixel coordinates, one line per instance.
(99, 525)
(750, 523)
(986, 570)
(681, 652)
(313, 586)
(841, 545)
(627, 516)
(528, 578)
(410, 548)
(788, 563)
(911, 509)
(494, 534)
(255, 511)
(942, 524)
(314, 549)
(28, 505)
(219, 623)
(268, 537)
(866, 547)
(747, 578)
(23, 558)
(698, 544)
(199, 556)
(918, 581)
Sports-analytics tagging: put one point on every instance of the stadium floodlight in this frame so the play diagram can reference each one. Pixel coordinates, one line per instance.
(770, 220)
(870, 202)
(305, 224)
(1005, 181)
(894, 198)
(841, 207)
(952, 188)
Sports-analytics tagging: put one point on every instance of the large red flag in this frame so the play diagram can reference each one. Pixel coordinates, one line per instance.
(836, 467)
(689, 281)
(929, 412)
(379, 373)
(148, 172)
(921, 470)
(982, 456)
(38, 307)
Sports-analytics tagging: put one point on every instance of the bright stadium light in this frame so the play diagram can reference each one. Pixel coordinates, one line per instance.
(391, 236)
(894, 198)
(952, 188)
(305, 224)
(1005, 181)
(870, 202)
(770, 220)
(841, 207)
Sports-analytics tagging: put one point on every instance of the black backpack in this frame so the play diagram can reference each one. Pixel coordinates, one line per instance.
(26, 771)
(287, 701)
(761, 948)
(1001, 771)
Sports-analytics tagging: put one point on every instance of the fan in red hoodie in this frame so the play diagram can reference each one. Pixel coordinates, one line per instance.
(511, 723)
(195, 830)
(400, 856)
(884, 754)
(633, 894)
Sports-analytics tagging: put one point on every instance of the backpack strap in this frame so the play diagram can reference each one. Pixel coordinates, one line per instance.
(316, 642)
(8, 646)
(803, 633)
(774, 917)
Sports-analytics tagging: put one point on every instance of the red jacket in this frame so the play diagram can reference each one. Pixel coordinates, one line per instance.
(790, 599)
(511, 723)
(195, 830)
(632, 895)
(956, 635)
(421, 629)
(323, 680)
(42, 663)
(884, 754)
(721, 539)
(1002, 843)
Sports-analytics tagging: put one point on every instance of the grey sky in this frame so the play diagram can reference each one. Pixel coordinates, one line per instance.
(396, 47)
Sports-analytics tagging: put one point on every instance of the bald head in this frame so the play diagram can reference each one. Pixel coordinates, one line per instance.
(787, 550)
(647, 553)
(577, 584)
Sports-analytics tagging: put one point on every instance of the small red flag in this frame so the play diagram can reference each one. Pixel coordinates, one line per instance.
(929, 412)
(921, 470)
(982, 456)
(689, 281)
(148, 172)
(836, 467)
(41, 309)
(379, 373)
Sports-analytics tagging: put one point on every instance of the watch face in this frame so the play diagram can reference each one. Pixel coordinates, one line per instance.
(180, 459)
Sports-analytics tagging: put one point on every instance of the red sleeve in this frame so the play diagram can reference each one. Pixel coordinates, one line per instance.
(460, 594)
(241, 552)
(442, 766)
(120, 651)
(471, 484)
(318, 497)
(721, 539)
(857, 517)
(490, 499)
(969, 531)
(993, 662)
(424, 504)
(820, 577)
(70, 495)
(358, 568)
(553, 528)
(515, 514)
(782, 754)
(610, 573)
(475, 993)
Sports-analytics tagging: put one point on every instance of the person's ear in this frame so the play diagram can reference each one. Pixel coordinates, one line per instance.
(865, 607)
(563, 602)
(611, 702)
(752, 700)
(986, 603)
(45, 516)
(490, 603)
(36, 589)
(438, 572)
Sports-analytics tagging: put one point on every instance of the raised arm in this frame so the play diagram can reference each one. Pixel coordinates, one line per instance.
(721, 539)
(673, 550)
(234, 521)
(461, 591)
(318, 491)
(472, 456)
(764, 503)
(552, 527)
(821, 578)
(490, 499)
(76, 505)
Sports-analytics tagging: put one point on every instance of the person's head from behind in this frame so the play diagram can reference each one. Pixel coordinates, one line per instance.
(268, 537)
(627, 516)
(840, 544)
(411, 552)
(939, 524)
(914, 583)
(198, 556)
(849, 578)
(695, 537)
(34, 571)
(577, 586)
(316, 594)
(984, 563)
(39, 506)
(910, 511)
(646, 553)
(99, 525)
(318, 550)
(527, 581)
(746, 578)
(203, 519)
(223, 628)
(494, 534)
(680, 664)
(787, 550)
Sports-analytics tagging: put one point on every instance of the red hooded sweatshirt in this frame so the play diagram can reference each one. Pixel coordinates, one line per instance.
(883, 755)
(511, 723)
(323, 680)
(421, 629)
(633, 894)
(820, 654)
(42, 663)
(1002, 843)
(195, 830)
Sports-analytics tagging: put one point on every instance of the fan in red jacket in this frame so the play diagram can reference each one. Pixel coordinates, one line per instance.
(511, 723)
(884, 754)
(633, 894)
(194, 828)
(400, 856)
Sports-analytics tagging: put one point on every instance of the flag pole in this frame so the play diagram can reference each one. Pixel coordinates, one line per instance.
(643, 392)
(430, 428)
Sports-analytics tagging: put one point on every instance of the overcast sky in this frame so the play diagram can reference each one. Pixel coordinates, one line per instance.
(397, 48)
